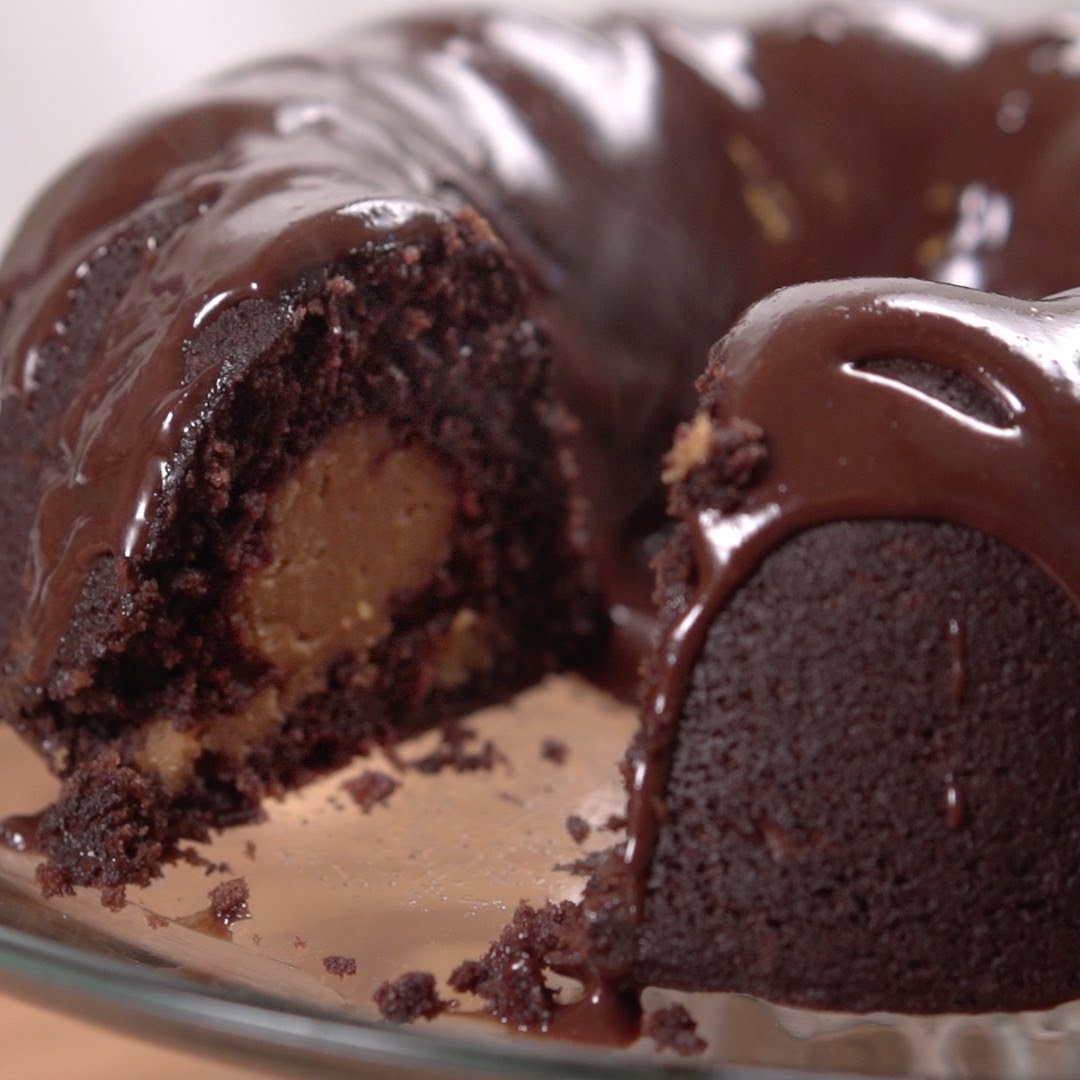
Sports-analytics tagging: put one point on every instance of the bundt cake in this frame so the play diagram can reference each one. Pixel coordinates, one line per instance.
(335, 400)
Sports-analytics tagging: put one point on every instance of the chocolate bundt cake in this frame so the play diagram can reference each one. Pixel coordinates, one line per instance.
(334, 406)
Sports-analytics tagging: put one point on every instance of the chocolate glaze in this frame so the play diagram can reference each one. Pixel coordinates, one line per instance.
(19, 831)
(603, 1017)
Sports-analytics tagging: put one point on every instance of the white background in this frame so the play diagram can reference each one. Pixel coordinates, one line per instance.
(70, 70)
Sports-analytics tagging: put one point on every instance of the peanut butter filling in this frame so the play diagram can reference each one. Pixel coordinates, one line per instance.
(361, 522)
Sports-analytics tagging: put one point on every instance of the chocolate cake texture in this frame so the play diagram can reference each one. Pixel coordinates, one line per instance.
(335, 403)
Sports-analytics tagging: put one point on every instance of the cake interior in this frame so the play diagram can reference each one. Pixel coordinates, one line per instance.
(373, 535)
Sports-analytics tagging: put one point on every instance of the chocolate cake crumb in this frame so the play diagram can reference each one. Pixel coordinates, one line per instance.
(114, 897)
(583, 867)
(229, 901)
(673, 1028)
(249, 849)
(510, 976)
(453, 753)
(156, 921)
(340, 965)
(193, 857)
(108, 828)
(410, 997)
(228, 905)
(614, 823)
(578, 828)
(299, 943)
(555, 751)
(370, 789)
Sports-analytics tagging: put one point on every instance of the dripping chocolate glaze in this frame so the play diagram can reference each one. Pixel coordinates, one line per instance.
(652, 179)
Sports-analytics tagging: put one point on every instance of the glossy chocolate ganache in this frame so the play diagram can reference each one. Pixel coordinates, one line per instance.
(443, 288)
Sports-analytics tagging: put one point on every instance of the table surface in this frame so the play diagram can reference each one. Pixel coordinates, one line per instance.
(41, 1045)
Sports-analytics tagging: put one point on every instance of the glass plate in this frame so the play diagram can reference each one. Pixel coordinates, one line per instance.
(423, 882)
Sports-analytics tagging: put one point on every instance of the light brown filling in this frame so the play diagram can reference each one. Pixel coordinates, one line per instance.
(360, 522)
(693, 445)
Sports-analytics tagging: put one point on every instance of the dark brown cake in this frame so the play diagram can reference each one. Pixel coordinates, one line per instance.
(863, 706)
(306, 380)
